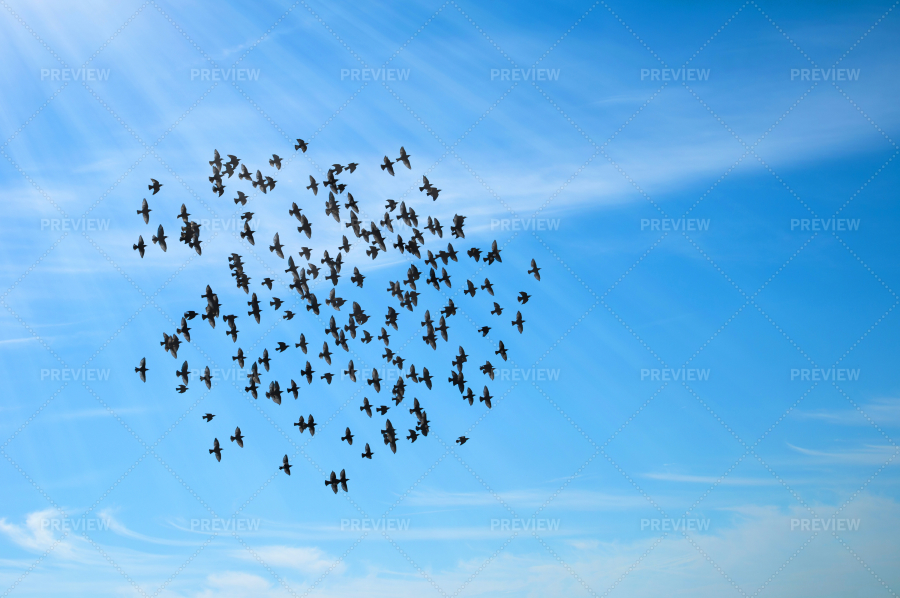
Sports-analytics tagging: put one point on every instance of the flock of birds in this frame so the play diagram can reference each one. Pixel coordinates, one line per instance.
(374, 236)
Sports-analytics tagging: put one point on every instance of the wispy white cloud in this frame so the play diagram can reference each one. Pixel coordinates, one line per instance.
(725, 481)
(865, 455)
(306, 559)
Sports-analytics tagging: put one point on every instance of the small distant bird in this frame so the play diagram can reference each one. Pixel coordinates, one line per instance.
(501, 351)
(145, 212)
(357, 278)
(389, 166)
(484, 330)
(184, 330)
(535, 270)
(523, 297)
(350, 371)
(487, 286)
(301, 145)
(183, 372)
(313, 185)
(487, 369)
(486, 397)
(333, 482)
(518, 321)
(248, 234)
(461, 440)
(206, 378)
(216, 449)
(238, 438)
(348, 436)
(497, 309)
(366, 407)
(142, 370)
(286, 466)
(412, 436)
(383, 409)
(275, 161)
(154, 186)
(404, 158)
(368, 454)
(208, 417)
(241, 198)
(160, 238)
(277, 247)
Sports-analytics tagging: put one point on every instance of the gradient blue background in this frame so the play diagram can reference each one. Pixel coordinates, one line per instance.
(589, 155)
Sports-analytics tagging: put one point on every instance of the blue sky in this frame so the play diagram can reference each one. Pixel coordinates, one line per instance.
(597, 471)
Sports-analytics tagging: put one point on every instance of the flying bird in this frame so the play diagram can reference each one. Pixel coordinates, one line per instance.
(404, 158)
(277, 246)
(535, 270)
(160, 238)
(237, 437)
(145, 212)
(216, 449)
(366, 407)
(348, 436)
(142, 370)
(388, 165)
